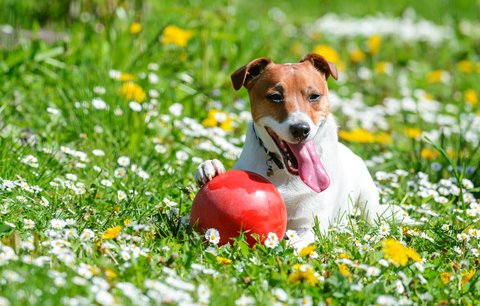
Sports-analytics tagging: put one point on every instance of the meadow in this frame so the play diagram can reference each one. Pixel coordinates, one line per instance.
(107, 108)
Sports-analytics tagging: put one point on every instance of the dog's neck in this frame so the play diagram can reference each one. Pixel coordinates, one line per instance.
(272, 157)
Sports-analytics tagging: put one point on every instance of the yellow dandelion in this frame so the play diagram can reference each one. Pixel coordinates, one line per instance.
(383, 67)
(330, 54)
(357, 135)
(343, 269)
(445, 277)
(398, 253)
(175, 35)
(383, 138)
(306, 251)
(413, 255)
(412, 132)
(374, 42)
(303, 273)
(357, 56)
(135, 28)
(126, 77)
(428, 154)
(110, 274)
(471, 97)
(395, 251)
(132, 91)
(112, 232)
(126, 222)
(217, 118)
(467, 276)
(222, 261)
(465, 66)
(344, 255)
(437, 76)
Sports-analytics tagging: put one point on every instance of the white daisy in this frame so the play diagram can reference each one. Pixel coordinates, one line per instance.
(212, 235)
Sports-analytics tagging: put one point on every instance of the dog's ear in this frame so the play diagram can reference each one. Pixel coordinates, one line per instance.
(322, 65)
(242, 76)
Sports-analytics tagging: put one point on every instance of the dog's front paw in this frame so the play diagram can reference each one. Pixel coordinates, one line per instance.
(208, 170)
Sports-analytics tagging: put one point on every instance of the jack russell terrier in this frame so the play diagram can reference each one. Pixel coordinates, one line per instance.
(292, 141)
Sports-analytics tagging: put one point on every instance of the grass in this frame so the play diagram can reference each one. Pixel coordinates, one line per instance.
(60, 200)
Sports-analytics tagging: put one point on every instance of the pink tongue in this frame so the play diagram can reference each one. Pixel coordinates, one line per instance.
(310, 167)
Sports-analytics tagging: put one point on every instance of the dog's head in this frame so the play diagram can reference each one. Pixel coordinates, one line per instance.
(289, 104)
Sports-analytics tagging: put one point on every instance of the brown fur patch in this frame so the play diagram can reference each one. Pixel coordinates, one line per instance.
(296, 82)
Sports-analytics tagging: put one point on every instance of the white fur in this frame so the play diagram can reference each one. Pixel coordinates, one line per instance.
(351, 185)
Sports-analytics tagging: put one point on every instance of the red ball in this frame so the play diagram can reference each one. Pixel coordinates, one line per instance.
(237, 201)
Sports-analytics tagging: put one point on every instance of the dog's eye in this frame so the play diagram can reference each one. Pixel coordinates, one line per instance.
(275, 98)
(314, 97)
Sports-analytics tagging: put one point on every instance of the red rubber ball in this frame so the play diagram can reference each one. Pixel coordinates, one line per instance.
(237, 201)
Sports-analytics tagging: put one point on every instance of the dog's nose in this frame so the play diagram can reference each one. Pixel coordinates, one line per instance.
(300, 131)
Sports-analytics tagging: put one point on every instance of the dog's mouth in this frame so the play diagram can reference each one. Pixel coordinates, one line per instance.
(289, 159)
(302, 159)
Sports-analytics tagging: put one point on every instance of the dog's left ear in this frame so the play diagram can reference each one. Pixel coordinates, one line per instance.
(242, 76)
(324, 66)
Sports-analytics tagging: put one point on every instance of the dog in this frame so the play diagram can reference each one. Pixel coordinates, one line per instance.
(292, 141)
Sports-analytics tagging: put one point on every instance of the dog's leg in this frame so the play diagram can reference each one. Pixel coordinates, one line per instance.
(208, 170)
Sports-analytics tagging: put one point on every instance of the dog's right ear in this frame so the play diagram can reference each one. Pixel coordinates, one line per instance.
(242, 76)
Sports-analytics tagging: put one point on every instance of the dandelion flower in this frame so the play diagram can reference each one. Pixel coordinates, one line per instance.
(467, 276)
(303, 273)
(446, 277)
(222, 261)
(414, 133)
(438, 76)
(306, 251)
(398, 253)
(383, 67)
(343, 269)
(112, 232)
(374, 42)
(133, 91)
(216, 118)
(175, 35)
(465, 66)
(135, 28)
(471, 97)
(330, 54)
(357, 56)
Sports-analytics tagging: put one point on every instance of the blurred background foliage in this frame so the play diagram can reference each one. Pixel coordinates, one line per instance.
(27, 12)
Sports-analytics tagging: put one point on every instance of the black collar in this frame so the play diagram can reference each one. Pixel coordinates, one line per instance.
(271, 156)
